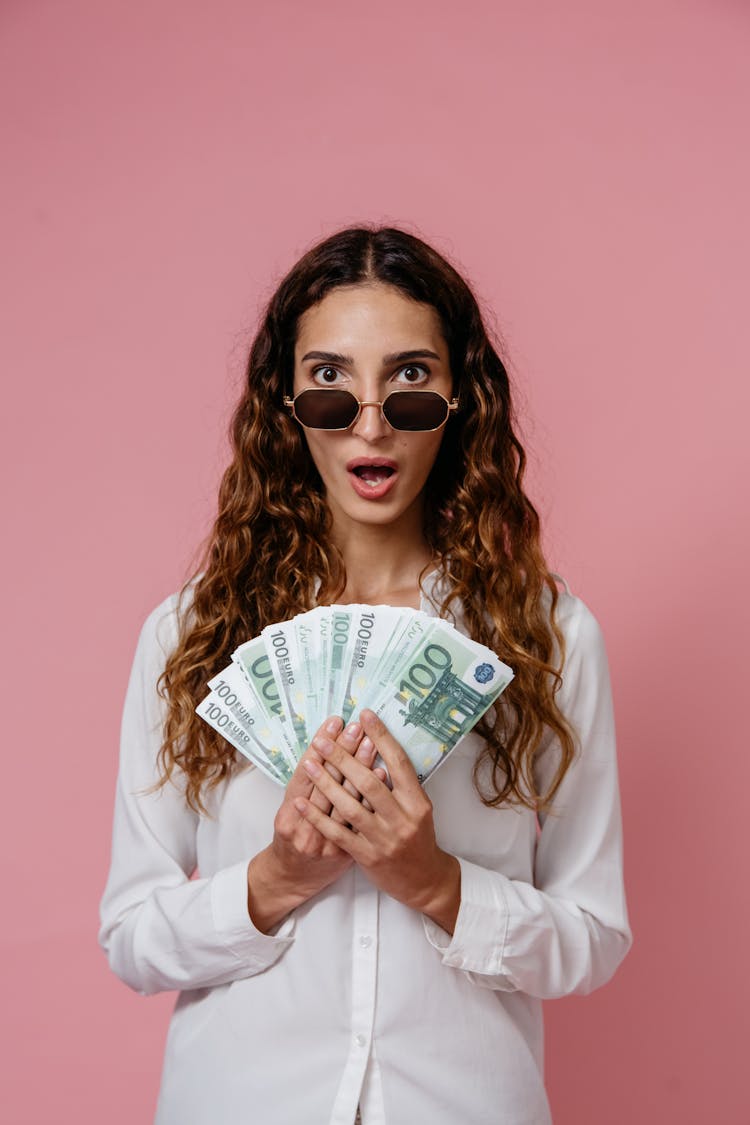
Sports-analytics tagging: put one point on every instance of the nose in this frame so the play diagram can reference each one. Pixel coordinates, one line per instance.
(371, 425)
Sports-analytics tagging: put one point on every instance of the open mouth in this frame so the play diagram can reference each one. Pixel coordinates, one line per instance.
(372, 476)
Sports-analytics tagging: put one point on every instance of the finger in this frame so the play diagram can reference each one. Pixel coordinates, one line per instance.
(349, 842)
(364, 753)
(300, 790)
(378, 772)
(317, 797)
(349, 741)
(297, 834)
(401, 770)
(299, 784)
(361, 776)
(348, 738)
(367, 753)
(348, 806)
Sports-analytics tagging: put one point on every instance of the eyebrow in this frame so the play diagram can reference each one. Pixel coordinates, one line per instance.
(393, 357)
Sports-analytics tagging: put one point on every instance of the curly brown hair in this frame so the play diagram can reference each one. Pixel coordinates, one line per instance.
(271, 543)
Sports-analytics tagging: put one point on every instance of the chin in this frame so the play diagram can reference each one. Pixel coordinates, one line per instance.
(374, 513)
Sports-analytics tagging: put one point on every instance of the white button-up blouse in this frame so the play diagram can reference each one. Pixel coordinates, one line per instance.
(356, 998)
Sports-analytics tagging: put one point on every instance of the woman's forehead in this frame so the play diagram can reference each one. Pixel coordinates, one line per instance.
(354, 318)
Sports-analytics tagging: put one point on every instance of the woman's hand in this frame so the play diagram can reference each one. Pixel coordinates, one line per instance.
(299, 862)
(392, 837)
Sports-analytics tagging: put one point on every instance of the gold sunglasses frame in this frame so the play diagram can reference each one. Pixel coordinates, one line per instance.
(452, 405)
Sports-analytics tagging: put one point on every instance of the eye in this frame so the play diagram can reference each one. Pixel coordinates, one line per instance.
(325, 376)
(413, 374)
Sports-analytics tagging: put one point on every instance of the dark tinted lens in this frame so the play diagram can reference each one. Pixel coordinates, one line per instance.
(415, 410)
(326, 410)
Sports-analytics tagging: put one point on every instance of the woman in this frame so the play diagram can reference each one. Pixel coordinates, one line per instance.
(347, 949)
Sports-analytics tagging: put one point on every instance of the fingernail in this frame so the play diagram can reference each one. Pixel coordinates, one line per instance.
(366, 745)
(353, 730)
(311, 767)
(333, 725)
(299, 804)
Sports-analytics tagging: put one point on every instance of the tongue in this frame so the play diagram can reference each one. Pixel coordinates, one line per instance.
(373, 475)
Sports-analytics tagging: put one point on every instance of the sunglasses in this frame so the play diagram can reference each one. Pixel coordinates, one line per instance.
(338, 410)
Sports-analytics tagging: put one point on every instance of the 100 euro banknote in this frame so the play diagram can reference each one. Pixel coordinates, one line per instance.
(437, 692)
(428, 682)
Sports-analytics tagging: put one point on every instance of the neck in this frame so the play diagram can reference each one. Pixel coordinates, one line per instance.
(383, 562)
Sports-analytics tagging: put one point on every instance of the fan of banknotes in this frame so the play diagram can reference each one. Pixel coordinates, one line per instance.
(428, 682)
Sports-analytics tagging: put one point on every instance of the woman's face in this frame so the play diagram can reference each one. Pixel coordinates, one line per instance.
(354, 339)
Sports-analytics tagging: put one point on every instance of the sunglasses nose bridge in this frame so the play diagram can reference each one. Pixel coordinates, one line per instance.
(363, 418)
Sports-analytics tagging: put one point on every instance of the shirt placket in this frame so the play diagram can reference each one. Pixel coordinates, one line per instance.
(363, 989)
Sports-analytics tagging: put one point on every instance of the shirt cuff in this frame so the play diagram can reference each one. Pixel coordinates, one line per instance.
(478, 941)
(235, 927)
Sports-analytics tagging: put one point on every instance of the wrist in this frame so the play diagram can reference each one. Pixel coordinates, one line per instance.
(442, 903)
(270, 894)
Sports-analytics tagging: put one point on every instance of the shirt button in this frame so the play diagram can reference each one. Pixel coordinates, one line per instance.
(361, 1040)
(365, 941)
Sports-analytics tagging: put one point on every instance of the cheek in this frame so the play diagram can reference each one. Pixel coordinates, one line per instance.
(426, 455)
(318, 451)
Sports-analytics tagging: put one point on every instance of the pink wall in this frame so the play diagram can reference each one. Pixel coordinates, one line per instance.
(587, 165)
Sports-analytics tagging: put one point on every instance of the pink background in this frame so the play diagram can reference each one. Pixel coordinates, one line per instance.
(586, 164)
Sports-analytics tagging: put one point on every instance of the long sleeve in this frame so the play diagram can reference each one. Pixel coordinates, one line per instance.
(568, 931)
(160, 928)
